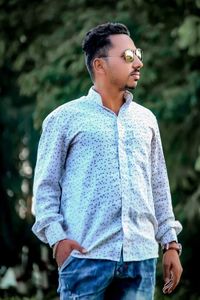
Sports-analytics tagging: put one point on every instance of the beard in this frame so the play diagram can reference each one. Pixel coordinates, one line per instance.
(128, 87)
(123, 86)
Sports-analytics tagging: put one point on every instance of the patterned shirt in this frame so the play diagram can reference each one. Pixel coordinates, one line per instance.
(101, 179)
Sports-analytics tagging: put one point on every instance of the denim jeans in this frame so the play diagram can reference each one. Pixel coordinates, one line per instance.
(95, 279)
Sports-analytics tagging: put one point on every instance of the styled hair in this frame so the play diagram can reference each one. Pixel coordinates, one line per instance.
(97, 42)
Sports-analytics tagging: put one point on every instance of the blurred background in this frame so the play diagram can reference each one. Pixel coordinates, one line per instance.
(42, 67)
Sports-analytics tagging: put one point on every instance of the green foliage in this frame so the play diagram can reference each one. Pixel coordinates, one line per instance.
(42, 66)
(189, 41)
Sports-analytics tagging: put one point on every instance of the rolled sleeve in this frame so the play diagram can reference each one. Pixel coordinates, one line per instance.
(51, 157)
(168, 227)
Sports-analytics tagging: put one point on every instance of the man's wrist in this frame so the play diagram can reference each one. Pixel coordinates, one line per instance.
(55, 246)
(54, 249)
(172, 246)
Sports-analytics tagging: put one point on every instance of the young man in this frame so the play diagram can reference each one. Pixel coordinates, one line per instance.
(102, 198)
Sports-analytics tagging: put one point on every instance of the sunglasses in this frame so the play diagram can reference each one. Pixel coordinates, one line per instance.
(129, 55)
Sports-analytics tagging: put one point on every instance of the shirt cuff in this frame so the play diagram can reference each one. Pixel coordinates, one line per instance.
(54, 233)
(169, 236)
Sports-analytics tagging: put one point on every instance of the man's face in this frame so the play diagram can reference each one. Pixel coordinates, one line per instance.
(119, 72)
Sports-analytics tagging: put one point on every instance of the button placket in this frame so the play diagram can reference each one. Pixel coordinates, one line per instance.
(123, 165)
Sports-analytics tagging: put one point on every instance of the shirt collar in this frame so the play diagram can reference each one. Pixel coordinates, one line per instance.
(96, 97)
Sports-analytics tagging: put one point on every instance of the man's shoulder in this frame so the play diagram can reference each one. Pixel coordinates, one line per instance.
(143, 111)
(66, 110)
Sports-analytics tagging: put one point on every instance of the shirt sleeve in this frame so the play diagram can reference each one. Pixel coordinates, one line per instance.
(168, 227)
(51, 156)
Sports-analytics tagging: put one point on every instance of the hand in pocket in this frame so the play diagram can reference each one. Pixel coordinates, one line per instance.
(64, 249)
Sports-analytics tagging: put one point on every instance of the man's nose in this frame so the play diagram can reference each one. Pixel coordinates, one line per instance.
(137, 63)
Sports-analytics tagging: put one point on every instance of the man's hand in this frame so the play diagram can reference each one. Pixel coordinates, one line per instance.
(172, 270)
(64, 248)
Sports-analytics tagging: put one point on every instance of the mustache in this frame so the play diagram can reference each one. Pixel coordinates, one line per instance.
(136, 71)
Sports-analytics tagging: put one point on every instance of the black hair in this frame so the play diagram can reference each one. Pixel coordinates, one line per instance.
(97, 42)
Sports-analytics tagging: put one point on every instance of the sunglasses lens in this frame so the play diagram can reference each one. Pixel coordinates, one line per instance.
(138, 53)
(129, 55)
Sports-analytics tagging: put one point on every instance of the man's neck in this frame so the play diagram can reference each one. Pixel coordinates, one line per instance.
(111, 98)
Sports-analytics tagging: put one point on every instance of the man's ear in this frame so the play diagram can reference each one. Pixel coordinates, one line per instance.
(99, 66)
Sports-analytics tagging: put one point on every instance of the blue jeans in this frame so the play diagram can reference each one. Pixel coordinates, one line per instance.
(95, 279)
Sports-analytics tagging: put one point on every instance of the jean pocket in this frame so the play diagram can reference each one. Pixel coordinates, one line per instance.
(65, 263)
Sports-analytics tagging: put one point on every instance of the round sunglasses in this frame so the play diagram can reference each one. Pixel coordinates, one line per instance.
(129, 55)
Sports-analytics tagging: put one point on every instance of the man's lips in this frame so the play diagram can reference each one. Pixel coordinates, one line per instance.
(136, 75)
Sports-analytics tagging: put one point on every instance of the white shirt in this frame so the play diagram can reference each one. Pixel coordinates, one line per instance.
(101, 179)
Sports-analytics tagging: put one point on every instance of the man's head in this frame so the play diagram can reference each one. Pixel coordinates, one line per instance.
(105, 49)
(97, 41)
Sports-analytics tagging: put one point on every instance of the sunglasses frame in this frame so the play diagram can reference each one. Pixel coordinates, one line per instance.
(129, 55)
